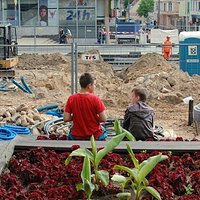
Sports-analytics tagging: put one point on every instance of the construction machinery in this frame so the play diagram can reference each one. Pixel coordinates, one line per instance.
(8, 51)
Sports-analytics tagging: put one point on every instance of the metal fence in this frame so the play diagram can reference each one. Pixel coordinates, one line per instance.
(123, 55)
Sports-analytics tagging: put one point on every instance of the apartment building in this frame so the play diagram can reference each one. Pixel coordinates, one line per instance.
(166, 13)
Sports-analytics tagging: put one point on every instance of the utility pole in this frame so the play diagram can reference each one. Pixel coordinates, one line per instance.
(158, 15)
(106, 20)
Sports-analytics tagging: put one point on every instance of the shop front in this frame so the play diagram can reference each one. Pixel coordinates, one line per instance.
(48, 16)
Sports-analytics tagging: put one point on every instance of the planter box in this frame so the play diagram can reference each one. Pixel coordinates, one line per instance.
(33, 167)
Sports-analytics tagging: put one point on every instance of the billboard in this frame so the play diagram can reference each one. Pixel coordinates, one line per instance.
(48, 13)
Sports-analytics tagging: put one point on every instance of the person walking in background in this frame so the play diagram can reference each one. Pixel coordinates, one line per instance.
(69, 38)
(101, 36)
(138, 118)
(86, 111)
(62, 36)
(167, 48)
(43, 12)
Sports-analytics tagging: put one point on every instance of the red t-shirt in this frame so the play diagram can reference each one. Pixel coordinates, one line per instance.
(85, 109)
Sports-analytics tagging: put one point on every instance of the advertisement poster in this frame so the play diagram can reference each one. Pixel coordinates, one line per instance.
(48, 13)
(70, 16)
(43, 12)
(52, 13)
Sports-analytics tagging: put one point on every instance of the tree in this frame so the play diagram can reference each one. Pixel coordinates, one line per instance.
(126, 3)
(145, 7)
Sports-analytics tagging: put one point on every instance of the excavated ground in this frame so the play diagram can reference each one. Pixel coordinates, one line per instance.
(49, 76)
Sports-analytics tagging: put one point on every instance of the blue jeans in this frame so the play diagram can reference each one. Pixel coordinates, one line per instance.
(103, 136)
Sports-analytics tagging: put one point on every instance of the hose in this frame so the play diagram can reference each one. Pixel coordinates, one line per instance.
(54, 112)
(37, 124)
(3, 84)
(19, 86)
(68, 125)
(50, 123)
(18, 129)
(25, 85)
(47, 107)
(6, 134)
(7, 89)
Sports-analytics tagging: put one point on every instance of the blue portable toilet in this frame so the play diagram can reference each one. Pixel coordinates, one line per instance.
(189, 52)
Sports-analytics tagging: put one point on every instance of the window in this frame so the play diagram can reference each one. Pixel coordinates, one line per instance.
(29, 13)
(164, 7)
(170, 6)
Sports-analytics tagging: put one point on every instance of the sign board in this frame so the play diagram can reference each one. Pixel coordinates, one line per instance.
(90, 57)
(159, 36)
(192, 50)
(192, 60)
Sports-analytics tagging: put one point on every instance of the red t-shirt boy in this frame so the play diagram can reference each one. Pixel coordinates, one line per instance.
(86, 110)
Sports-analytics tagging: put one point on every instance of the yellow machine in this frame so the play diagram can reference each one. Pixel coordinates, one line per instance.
(8, 51)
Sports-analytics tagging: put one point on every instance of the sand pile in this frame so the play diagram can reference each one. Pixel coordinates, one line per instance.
(163, 79)
(45, 61)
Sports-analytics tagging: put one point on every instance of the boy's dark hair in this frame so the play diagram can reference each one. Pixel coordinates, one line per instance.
(86, 79)
(142, 93)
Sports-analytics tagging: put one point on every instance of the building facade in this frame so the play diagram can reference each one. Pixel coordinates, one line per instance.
(82, 17)
(167, 13)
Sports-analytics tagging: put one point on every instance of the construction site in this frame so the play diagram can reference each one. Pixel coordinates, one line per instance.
(49, 77)
(35, 160)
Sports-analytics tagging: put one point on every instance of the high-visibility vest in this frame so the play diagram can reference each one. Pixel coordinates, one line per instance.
(168, 46)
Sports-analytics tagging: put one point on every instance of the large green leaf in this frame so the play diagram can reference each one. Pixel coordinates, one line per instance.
(132, 172)
(119, 178)
(114, 142)
(149, 165)
(124, 195)
(133, 158)
(129, 136)
(79, 186)
(153, 192)
(80, 152)
(103, 176)
(88, 188)
(94, 149)
(86, 170)
(117, 127)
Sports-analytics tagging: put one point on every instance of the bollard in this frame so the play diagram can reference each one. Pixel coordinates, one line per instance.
(190, 113)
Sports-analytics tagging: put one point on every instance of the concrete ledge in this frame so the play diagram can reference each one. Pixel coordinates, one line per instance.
(138, 146)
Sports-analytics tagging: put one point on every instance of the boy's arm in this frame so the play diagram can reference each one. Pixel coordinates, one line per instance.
(67, 117)
(126, 121)
(102, 116)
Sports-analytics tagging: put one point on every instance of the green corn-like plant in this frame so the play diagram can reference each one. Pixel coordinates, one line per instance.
(86, 184)
(137, 176)
(95, 158)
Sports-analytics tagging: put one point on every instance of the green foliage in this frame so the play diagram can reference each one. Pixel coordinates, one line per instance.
(126, 2)
(95, 157)
(86, 184)
(137, 176)
(145, 7)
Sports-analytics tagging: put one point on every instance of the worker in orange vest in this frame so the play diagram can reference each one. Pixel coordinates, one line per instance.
(167, 48)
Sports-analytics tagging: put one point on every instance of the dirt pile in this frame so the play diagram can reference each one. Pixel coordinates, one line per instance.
(45, 61)
(163, 79)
